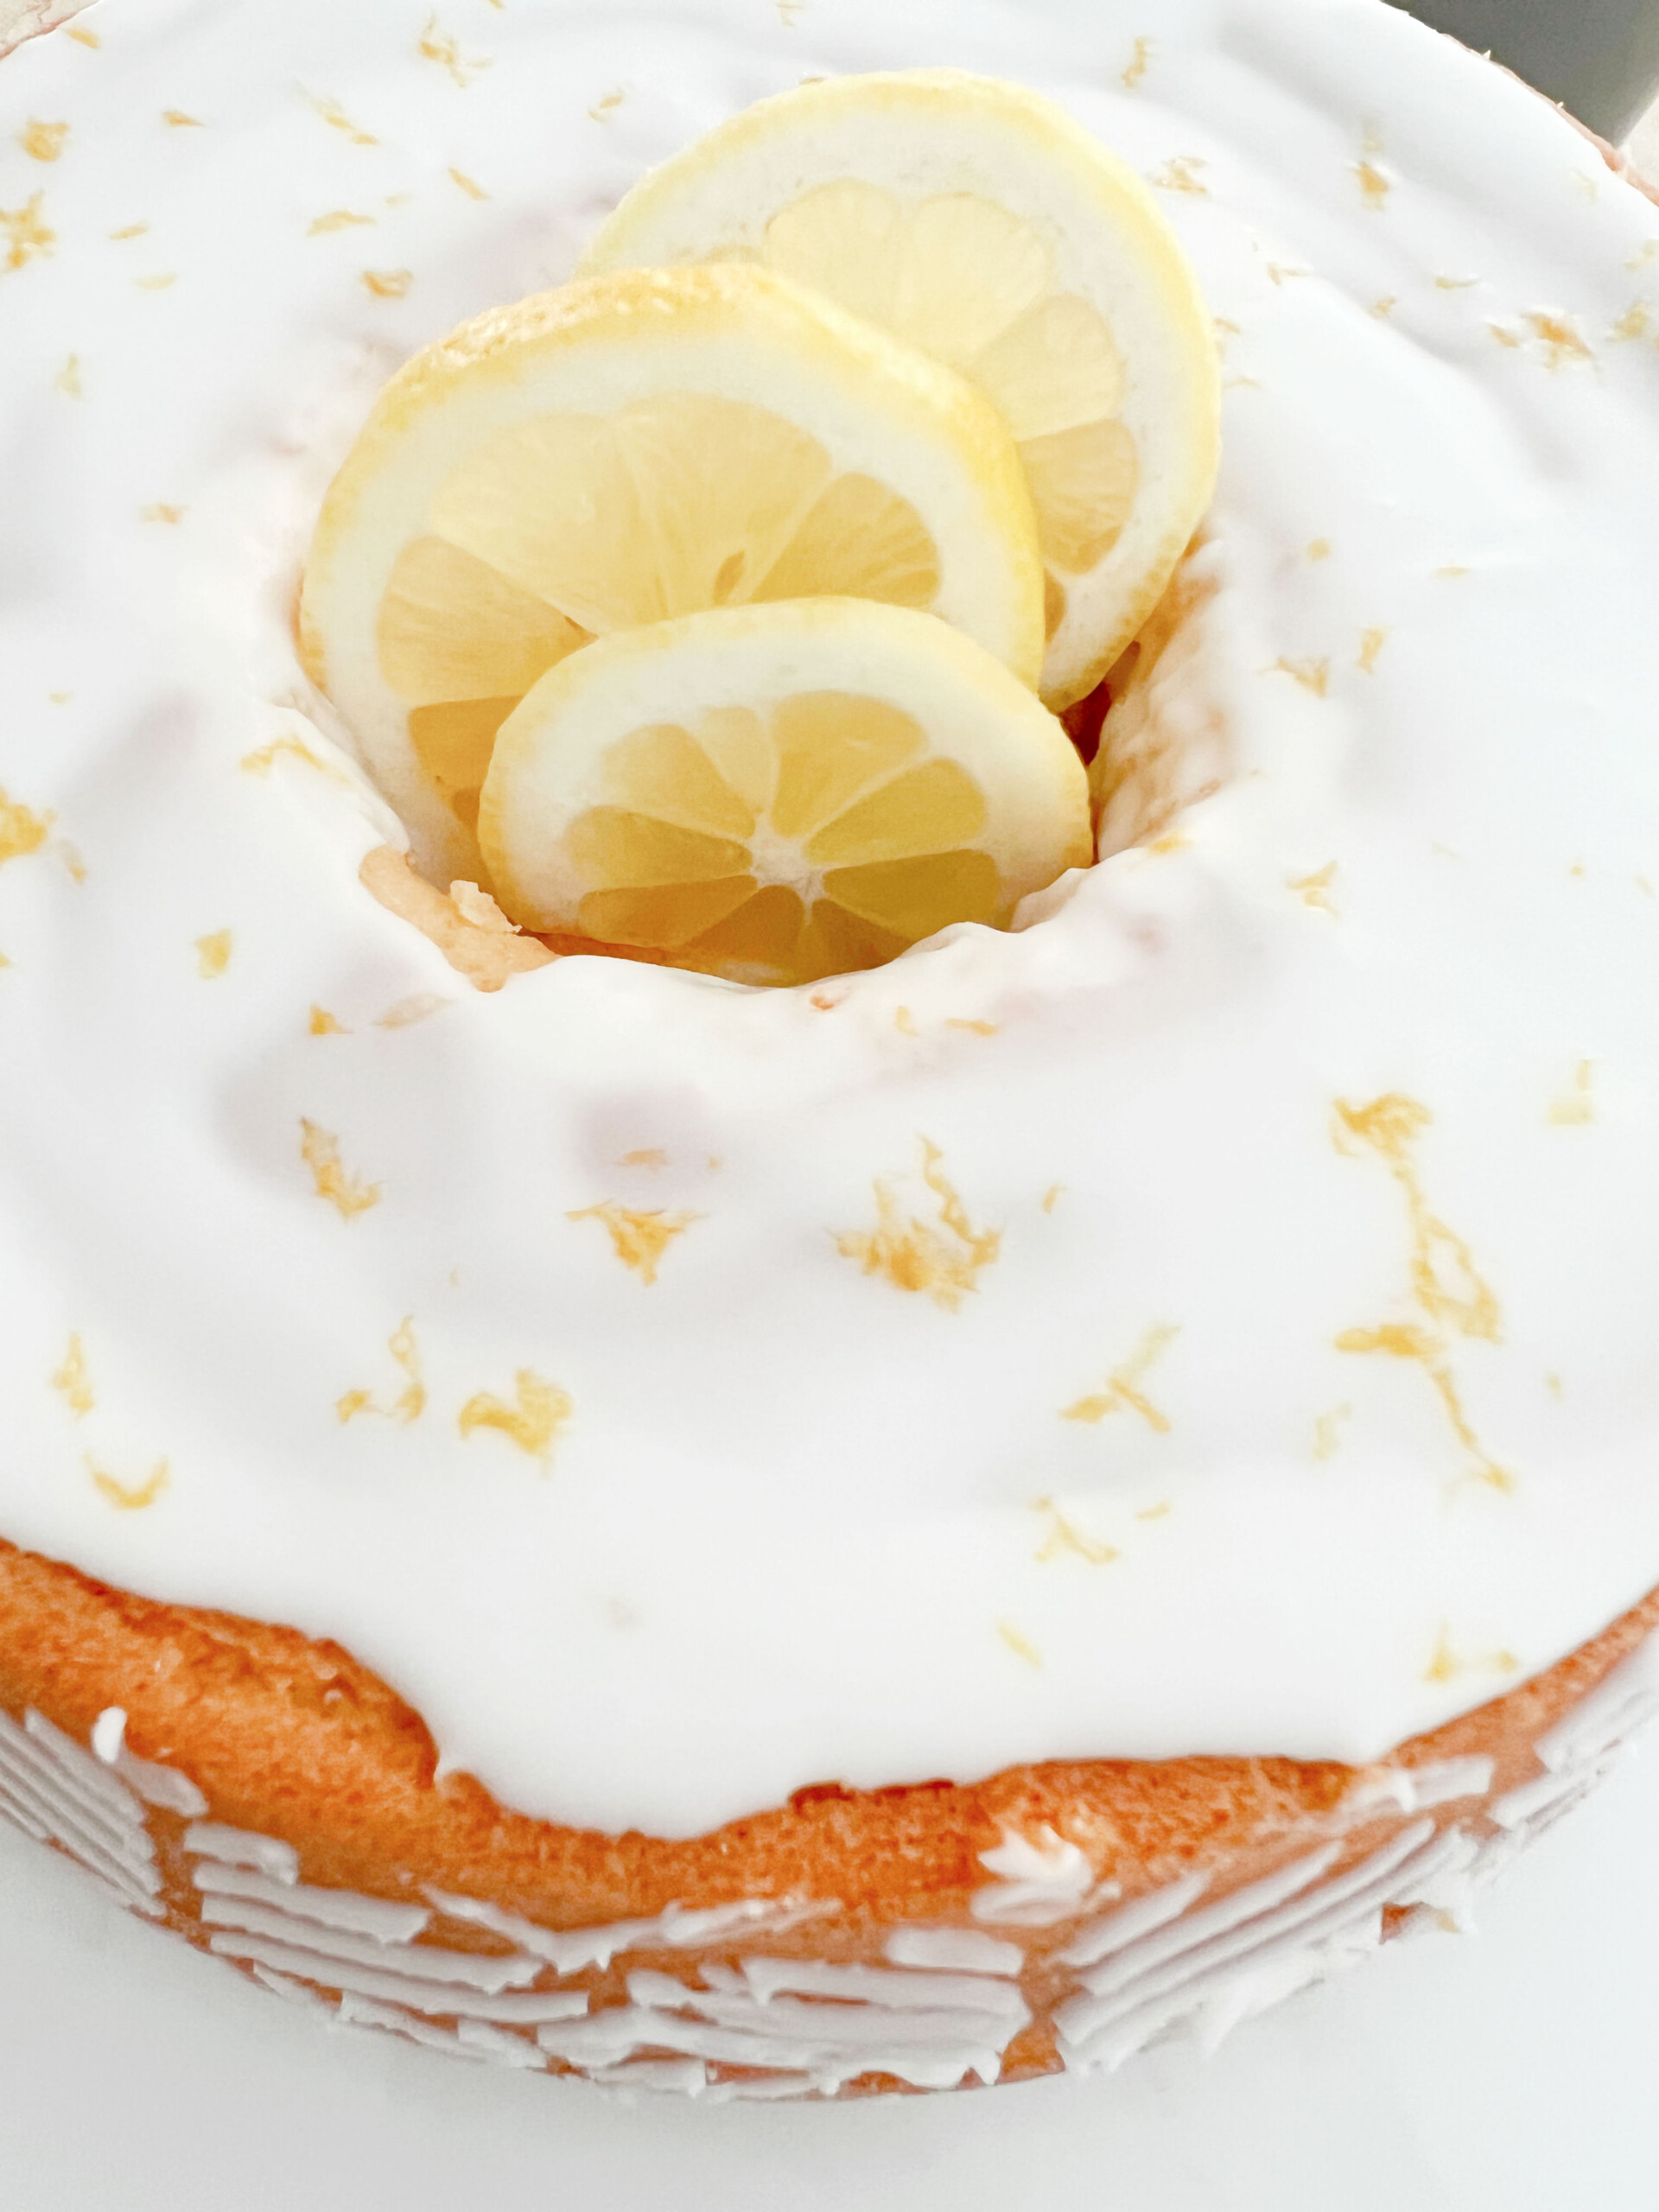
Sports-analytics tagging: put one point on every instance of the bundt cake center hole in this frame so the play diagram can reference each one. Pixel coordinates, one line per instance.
(1150, 741)
(1152, 734)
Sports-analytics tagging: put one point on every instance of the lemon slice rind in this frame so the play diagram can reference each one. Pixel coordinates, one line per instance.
(884, 414)
(688, 723)
(919, 137)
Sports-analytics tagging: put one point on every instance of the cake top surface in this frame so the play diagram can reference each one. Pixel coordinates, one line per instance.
(1215, 1316)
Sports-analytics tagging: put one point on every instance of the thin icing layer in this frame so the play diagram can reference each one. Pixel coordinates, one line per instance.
(1216, 1317)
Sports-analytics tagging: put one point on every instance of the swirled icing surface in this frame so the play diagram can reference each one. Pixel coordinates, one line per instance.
(1218, 1316)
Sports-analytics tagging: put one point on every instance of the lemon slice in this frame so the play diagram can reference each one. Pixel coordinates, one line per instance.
(622, 451)
(775, 793)
(978, 222)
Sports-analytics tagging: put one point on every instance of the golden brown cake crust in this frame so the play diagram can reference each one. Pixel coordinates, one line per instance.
(295, 1740)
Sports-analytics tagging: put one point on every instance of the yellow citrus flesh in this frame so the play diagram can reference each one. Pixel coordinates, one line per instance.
(979, 224)
(570, 526)
(673, 503)
(975, 285)
(625, 453)
(838, 781)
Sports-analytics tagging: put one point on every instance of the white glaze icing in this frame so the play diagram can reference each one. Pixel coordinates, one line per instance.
(684, 2077)
(470, 2039)
(339, 1909)
(953, 1950)
(1432, 1878)
(388, 1979)
(1196, 1924)
(291, 1991)
(228, 1846)
(1584, 1745)
(1211, 1958)
(57, 1792)
(830, 2044)
(157, 1785)
(1624, 1700)
(457, 1972)
(1414, 1790)
(679, 1929)
(893, 1988)
(1140, 1917)
(801, 1525)
(1037, 1879)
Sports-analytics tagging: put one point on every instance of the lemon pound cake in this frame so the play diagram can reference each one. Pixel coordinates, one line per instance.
(726, 1363)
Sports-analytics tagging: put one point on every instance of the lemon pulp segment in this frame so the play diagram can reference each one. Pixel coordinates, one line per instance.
(570, 526)
(633, 448)
(974, 285)
(980, 224)
(777, 829)
(672, 857)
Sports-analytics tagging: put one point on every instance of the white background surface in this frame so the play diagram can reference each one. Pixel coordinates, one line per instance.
(1518, 2072)
(1515, 2072)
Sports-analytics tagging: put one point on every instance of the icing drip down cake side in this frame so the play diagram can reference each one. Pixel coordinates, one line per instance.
(917, 1527)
